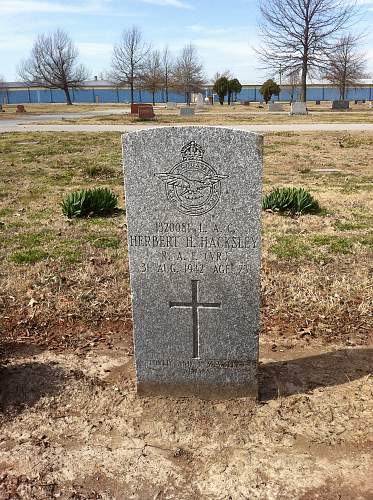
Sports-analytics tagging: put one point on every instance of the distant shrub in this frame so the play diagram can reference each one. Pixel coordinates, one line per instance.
(290, 200)
(89, 202)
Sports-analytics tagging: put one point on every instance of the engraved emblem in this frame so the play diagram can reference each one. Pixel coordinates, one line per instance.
(193, 186)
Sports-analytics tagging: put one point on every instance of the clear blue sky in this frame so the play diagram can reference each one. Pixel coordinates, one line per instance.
(224, 32)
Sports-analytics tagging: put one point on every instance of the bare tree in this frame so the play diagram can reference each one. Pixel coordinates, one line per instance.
(298, 34)
(167, 69)
(151, 78)
(53, 63)
(128, 59)
(224, 74)
(346, 65)
(188, 74)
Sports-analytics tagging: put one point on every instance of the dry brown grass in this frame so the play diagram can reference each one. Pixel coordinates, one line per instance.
(62, 108)
(41, 109)
(225, 117)
(211, 115)
(66, 282)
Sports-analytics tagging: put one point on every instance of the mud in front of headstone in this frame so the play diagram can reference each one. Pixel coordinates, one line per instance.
(193, 202)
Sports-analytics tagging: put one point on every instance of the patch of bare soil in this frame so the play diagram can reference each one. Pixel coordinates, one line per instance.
(72, 426)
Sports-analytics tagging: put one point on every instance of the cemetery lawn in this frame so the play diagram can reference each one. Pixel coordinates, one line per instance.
(71, 424)
(41, 109)
(237, 117)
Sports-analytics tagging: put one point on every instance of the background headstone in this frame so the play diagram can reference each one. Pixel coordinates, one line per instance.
(199, 101)
(186, 111)
(275, 106)
(145, 112)
(341, 105)
(171, 105)
(298, 108)
(193, 201)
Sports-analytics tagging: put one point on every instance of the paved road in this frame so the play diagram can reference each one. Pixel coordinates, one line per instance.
(47, 117)
(5, 126)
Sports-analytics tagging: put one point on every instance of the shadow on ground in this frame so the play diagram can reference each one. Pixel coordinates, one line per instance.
(18, 350)
(297, 376)
(24, 384)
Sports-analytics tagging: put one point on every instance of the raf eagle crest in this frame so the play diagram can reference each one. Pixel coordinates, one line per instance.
(193, 186)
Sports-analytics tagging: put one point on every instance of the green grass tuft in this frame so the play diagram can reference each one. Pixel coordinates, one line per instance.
(90, 202)
(30, 256)
(290, 200)
(335, 244)
(290, 247)
(106, 242)
(99, 171)
(349, 226)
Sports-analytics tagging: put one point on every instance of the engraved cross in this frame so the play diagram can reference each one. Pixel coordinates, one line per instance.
(195, 306)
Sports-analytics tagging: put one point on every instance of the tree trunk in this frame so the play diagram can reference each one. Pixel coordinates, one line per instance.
(166, 93)
(229, 98)
(344, 82)
(67, 94)
(303, 95)
(153, 98)
(132, 100)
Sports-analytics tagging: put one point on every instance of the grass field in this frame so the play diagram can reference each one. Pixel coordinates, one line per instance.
(71, 423)
(40, 246)
(211, 115)
(41, 109)
(228, 116)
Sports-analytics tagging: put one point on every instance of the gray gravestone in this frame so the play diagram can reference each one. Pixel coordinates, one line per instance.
(171, 105)
(340, 105)
(275, 106)
(199, 101)
(186, 111)
(193, 200)
(298, 108)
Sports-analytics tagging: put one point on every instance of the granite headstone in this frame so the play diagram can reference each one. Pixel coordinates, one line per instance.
(145, 112)
(193, 201)
(340, 105)
(186, 111)
(298, 108)
(275, 106)
(199, 101)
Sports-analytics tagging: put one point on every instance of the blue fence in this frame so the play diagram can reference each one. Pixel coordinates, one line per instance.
(83, 95)
(120, 95)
